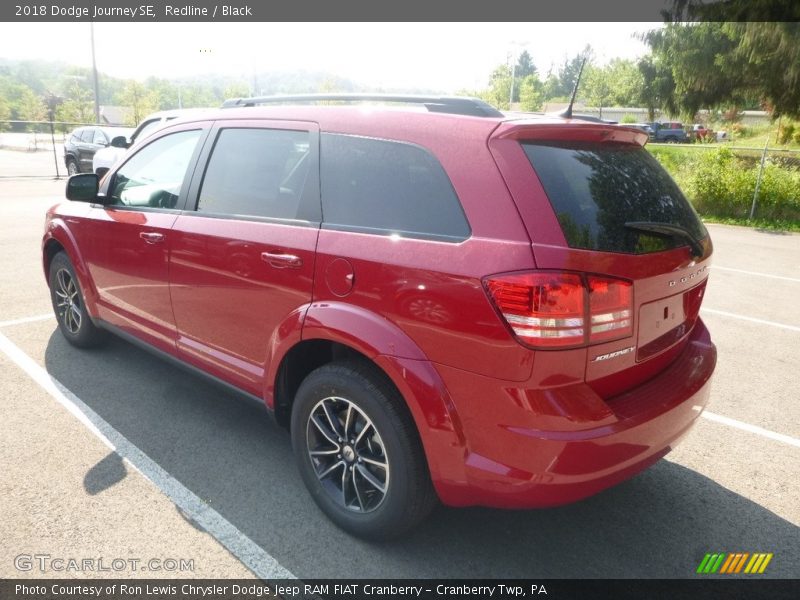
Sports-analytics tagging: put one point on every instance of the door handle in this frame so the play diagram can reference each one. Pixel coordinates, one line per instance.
(151, 237)
(282, 261)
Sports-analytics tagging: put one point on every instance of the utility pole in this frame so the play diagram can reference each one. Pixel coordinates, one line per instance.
(513, 75)
(94, 76)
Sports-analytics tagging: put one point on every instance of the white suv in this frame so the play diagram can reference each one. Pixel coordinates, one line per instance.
(105, 158)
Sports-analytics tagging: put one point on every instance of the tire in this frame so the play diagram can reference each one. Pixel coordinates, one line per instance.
(69, 305)
(671, 139)
(72, 167)
(378, 502)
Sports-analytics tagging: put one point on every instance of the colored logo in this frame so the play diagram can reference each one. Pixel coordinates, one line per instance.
(735, 562)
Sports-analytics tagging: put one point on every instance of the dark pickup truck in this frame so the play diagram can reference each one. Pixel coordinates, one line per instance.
(668, 132)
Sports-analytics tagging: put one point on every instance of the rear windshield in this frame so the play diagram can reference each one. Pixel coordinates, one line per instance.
(595, 188)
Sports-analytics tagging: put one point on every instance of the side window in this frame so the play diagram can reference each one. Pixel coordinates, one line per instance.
(154, 175)
(256, 172)
(99, 138)
(387, 187)
(87, 135)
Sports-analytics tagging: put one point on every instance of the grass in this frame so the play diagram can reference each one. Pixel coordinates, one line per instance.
(776, 226)
(755, 136)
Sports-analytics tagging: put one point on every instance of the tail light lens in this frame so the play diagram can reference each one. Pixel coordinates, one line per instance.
(610, 308)
(557, 310)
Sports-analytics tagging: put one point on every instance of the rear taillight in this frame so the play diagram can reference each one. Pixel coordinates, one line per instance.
(610, 308)
(556, 310)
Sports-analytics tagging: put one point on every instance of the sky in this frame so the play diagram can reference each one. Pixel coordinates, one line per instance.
(446, 57)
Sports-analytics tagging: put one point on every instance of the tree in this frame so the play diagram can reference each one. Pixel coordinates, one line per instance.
(770, 53)
(552, 87)
(199, 96)
(695, 55)
(559, 84)
(5, 113)
(78, 104)
(525, 65)
(595, 86)
(237, 90)
(531, 93)
(30, 107)
(747, 63)
(524, 68)
(625, 82)
(499, 88)
(141, 102)
(657, 86)
(165, 92)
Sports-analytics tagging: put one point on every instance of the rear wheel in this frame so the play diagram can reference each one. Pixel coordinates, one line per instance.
(69, 306)
(359, 452)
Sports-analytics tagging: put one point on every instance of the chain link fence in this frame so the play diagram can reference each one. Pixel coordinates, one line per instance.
(736, 181)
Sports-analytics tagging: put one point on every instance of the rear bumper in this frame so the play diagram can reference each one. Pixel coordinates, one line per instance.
(536, 448)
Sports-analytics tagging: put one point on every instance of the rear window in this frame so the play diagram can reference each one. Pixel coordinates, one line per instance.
(595, 188)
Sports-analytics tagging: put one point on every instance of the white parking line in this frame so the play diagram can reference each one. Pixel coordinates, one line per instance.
(237, 543)
(751, 319)
(26, 320)
(756, 273)
(779, 437)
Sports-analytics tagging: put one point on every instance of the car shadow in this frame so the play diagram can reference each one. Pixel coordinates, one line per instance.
(229, 452)
(773, 231)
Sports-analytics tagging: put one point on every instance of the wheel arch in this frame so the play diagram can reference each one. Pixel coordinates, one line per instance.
(328, 335)
(59, 239)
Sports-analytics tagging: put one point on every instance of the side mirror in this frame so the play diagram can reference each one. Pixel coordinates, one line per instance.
(120, 142)
(83, 187)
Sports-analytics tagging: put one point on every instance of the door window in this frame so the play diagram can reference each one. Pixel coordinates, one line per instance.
(153, 177)
(256, 173)
(99, 138)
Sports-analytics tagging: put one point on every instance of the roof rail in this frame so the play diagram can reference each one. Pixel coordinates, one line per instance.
(441, 104)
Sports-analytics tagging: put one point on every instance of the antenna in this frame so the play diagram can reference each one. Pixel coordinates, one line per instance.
(567, 112)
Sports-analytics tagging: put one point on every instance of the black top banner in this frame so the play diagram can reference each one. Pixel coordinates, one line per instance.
(400, 10)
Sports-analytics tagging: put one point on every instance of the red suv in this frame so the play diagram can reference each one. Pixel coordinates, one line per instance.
(438, 301)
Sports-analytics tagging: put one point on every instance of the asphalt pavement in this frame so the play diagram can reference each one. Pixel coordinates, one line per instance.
(113, 453)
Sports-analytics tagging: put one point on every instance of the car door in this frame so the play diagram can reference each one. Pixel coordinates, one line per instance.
(86, 149)
(242, 254)
(126, 240)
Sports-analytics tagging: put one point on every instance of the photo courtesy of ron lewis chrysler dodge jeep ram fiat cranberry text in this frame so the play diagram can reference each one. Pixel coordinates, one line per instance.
(439, 301)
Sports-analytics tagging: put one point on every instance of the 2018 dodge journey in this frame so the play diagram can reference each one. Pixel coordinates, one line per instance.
(438, 301)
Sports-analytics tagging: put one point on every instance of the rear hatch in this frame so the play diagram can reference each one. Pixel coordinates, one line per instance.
(597, 205)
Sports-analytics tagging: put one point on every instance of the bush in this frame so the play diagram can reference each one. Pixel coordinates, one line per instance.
(721, 184)
(786, 132)
(739, 129)
(628, 119)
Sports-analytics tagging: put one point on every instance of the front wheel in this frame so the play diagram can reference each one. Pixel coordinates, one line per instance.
(69, 305)
(72, 167)
(359, 452)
